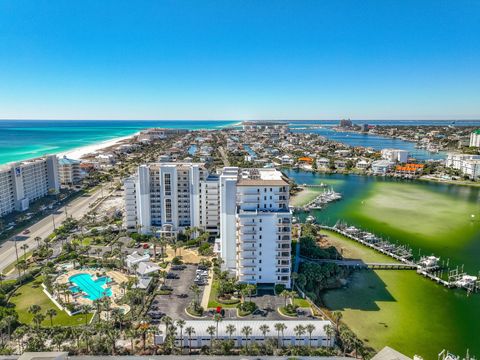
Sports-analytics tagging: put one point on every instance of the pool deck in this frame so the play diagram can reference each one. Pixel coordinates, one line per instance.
(117, 279)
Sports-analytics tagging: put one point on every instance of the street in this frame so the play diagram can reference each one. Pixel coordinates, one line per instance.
(76, 209)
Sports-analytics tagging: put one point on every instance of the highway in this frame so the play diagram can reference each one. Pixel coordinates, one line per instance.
(43, 228)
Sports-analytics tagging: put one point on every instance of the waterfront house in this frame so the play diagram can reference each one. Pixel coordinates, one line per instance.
(382, 167)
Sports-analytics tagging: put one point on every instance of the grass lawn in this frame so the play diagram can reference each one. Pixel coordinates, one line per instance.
(32, 293)
(212, 299)
(301, 302)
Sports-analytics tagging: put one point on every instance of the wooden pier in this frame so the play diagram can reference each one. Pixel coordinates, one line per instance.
(405, 263)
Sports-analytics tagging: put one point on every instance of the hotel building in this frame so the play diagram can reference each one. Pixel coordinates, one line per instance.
(247, 208)
(24, 182)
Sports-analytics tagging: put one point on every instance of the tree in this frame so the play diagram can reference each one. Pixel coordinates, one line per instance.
(230, 329)
(51, 313)
(247, 331)
(181, 323)
(217, 318)
(34, 309)
(286, 295)
(190, 331)
(280, 328)
(310, 328)
(264, 329)
(337, 317)
(299, 330)
(211, 331)
(329, 331)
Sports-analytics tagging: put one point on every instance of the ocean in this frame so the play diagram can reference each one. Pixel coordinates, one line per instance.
(26, 139)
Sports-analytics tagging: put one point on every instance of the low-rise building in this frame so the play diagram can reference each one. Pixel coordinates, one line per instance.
(69, 171)
(201, 336)
(382, 167)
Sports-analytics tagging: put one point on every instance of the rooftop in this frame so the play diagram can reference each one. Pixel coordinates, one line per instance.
(261, 177)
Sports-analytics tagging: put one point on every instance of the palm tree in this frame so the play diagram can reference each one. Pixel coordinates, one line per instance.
(38, 239)
(310, 328)
(286, 295)
(51, 313)
(211, 331)
(337, 317)
(299, 330)
(190, 331)
(34, 309)
(181, 323)
(85, 310)
(329, 331)
(247, 331)
(217, 318)
(230, 329)
(24, 247)
(278, 329)
(264, 329)
(167, 320)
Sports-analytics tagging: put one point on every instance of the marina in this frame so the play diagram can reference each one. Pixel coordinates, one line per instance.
(427, 266)
(321, 200)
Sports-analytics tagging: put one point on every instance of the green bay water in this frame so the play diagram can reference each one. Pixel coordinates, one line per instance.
(26, 139)
(400, 308)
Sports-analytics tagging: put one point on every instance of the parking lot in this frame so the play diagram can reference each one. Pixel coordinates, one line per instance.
(174, 304)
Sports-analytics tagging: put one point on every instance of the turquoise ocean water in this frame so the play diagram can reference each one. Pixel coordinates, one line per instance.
(26, 139)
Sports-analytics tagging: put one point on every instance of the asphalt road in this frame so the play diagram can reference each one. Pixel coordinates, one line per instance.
(43, 228)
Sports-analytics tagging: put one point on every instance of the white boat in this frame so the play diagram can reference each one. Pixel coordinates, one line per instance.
(311, 219)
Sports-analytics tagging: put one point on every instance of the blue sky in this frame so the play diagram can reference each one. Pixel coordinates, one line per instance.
(403, 59)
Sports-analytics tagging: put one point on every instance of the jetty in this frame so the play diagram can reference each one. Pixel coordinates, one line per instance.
(427, 266)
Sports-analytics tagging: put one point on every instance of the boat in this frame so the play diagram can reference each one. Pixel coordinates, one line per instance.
(311, 219)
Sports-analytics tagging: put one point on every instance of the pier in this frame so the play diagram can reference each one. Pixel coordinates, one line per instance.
(427, 267)
(325, 197)
(359, 264)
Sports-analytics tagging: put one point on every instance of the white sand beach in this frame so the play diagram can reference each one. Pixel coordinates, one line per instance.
(80, 152)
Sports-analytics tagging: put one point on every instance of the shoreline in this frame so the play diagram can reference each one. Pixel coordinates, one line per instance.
(80, 152)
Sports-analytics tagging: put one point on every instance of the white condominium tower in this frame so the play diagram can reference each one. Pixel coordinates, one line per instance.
(248, 208)
(26, 181)
(255, 225)
(168, 197)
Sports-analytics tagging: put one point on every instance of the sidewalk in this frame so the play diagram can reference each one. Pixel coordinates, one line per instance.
(206, 291)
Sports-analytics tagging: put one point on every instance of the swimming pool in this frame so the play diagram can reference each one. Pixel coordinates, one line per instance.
(95, 289)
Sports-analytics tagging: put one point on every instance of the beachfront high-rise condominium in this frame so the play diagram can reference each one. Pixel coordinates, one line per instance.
(247, 208)
(255, 225)
(26, 181)
(168, 197)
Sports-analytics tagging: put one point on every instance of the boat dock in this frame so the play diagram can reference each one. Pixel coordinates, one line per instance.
(325, 197)
(427, 266)
(358, 264)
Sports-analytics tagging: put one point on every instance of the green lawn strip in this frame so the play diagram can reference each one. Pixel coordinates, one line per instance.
(32, 293)
(20, 258)
(212, 299)
(301, 302)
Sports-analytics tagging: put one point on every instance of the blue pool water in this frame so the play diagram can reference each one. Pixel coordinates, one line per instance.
(93, 288)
